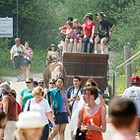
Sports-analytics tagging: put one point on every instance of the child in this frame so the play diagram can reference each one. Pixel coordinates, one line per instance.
(79, 34)
(69, 36)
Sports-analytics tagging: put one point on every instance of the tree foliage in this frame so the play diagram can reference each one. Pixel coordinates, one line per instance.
(39, 20)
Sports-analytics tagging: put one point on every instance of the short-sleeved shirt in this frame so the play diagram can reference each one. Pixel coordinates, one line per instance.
(78, 30)
(42, 107)
(15, 50)
(29, 53)
(88, 27)
(104, 25)
(64, 27)
(26, 94)
(133, 93)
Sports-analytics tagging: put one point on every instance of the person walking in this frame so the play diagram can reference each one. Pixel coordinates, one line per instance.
(26, 93)
(41, 105)
(123, 116)
(74, 93)
(133, 93)
(29, 126)
(17, 54)
(60, 109)
(2, 123)
(92, 118)
(27, 59)
(9, 106)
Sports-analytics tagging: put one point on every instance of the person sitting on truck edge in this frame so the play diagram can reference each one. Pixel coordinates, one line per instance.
(64, 28)
(104, 32)
(79, 34)
(70, 35)
(89, 31)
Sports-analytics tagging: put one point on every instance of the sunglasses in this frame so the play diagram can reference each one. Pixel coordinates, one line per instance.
(41, 83)
(27, 82)
(51, 83)
(88, 85)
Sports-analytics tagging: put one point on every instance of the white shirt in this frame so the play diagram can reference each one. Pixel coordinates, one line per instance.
(42, 107)
(133, 93)
(15, 50)
(74, 94)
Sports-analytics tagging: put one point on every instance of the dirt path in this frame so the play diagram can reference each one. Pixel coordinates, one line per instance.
(19, 86)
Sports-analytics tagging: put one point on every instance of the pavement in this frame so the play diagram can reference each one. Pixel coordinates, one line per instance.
(19, 86)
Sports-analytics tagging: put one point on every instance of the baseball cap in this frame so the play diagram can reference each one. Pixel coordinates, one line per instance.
(135, 79)
(100, 14)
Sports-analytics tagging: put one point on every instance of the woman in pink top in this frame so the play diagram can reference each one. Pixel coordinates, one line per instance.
(27, 59)
(89, 31)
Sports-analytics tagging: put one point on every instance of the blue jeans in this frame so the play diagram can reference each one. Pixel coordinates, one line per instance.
(86, 41)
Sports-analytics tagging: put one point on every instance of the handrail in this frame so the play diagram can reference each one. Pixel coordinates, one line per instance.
(128, 60)
(125, 63)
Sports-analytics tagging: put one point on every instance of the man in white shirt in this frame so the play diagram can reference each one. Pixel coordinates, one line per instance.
(133, 93)
(17, 53)
(74, 92)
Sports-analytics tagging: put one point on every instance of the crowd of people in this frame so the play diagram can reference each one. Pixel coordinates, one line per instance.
(43, 113)
(74, 33)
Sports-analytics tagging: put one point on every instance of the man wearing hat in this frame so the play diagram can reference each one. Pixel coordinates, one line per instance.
(104, 32)
(133, 93)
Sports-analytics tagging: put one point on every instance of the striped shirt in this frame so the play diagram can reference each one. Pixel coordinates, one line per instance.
(29, 53)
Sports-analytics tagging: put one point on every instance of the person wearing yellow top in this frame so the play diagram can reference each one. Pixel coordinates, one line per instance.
(52, 55)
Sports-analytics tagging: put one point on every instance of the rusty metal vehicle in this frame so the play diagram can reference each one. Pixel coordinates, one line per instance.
(86, 66)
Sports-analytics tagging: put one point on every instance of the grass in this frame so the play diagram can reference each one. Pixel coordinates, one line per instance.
(37, 66)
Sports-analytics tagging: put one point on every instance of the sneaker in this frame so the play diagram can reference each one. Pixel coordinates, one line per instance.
(18, 80)
(102, 52)
(95, 52)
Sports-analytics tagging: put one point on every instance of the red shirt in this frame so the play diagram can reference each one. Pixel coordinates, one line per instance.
(88, 27)
(64, 27)
(19, 108)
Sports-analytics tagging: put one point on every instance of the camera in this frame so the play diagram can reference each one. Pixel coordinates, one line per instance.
(19, 51)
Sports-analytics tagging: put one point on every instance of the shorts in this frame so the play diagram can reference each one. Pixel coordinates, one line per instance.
(18, 62)
(61, 117)
(78, 39)
(139, 125)
(26, 62)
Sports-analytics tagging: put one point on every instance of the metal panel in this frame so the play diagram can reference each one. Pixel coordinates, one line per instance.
(86, 66)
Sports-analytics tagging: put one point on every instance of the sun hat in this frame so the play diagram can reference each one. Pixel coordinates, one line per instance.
(135, 79)
(100, 14)
(29, 119)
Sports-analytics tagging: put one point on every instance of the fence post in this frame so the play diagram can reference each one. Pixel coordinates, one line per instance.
(115, 84)
(128, 72)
